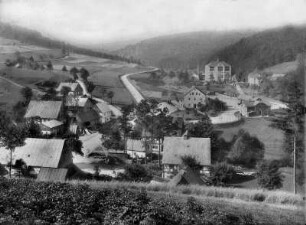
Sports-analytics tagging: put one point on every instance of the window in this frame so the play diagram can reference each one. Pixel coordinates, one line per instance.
(211, 68)
(189, 99)
(227, 68)
(220, 68)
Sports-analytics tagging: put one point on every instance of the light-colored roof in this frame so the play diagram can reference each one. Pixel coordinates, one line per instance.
(217, 62)
(44, 109)
(76, 101)
(36, 152)
(91, 142)
(52, 174)
(103, 107)
(135, 145)
(70, 85)
(254, 75)
(176, 147)
(194, 88)
(52, 123)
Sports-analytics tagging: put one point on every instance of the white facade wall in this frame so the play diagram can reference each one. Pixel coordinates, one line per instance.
(193, 98)
(219, 72)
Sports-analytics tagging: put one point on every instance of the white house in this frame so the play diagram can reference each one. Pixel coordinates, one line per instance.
(218, 71)
(193, 97)
(104, 111)
(254, 79)
(75, 88)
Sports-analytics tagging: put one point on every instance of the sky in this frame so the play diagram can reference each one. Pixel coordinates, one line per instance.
(106, 21)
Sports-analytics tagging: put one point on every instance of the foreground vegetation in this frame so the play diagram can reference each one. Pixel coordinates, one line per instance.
(30, 202)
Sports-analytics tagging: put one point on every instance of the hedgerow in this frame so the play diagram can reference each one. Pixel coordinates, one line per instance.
(30, 202)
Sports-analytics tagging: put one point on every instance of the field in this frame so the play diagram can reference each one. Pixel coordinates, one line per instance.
(30, 202)
(282, 68)
(104, 73)
(259, 127)
(9, 95)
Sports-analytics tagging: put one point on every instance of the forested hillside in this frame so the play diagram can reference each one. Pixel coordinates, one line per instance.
(35, 38)
(264, 49)
(181, 51)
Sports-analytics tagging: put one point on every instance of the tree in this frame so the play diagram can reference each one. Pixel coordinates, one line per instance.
(73, 144)
(84, 74)
(49, 66)
(64, 69)
(73, 71)
(33, 130)
(19, 110)
(268, 175)
(65, 91)
(203, 128)
(11, 135)
(110, 95)
(191, 162)
(247, 150)
(135, 172)
(50, 95)
(27, 94)
(221, 174)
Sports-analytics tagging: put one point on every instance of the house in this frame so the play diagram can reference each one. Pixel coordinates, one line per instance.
(51, 127)
(135, 148)
(194, 97)
(276, 76)
(218, 71)
(177, 147)
(249, 108)
(75, 88)
(37, 153)
(254, 79)
(104, 111)
(167, 107)
(52, 174)
(48, 114)
(76, 104)
(186, 176)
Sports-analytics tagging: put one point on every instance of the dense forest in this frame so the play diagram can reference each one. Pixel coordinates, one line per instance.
(35, 38)
(264, 49)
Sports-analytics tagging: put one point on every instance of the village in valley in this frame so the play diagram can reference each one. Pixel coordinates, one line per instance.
(201, 127)
(72, 134)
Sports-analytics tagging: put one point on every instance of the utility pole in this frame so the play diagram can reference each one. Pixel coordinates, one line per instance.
(294, 165)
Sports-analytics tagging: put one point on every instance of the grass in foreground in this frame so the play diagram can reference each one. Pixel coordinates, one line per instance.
(248, 195)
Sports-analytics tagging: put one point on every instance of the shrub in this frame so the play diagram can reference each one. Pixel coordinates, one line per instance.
(221, 174)
(135, 172)
(268, 175)
(259, 197)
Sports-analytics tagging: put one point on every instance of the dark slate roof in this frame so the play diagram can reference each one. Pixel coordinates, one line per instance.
(186, 176)
(44, 109)
(52, 174)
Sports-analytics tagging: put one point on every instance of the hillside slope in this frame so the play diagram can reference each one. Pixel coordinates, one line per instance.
(181, 50)
(264, 49)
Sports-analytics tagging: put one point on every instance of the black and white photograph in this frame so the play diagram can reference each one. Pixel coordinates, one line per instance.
(152, 112)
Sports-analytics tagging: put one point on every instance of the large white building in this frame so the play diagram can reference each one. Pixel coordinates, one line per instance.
(193, 97)
(218, 71)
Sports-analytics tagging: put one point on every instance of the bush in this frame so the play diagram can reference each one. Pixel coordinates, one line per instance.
(268, 175)
(135, 172)
(221, 174)
(30, 202)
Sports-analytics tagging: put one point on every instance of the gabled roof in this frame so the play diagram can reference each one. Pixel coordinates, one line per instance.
(44, 109)
(252, 103)
(217, 62)
(254, 75)
(52, 123)
(52, 174)
(36, 152)
(103, 107)
(135, 145)
(186, 176)
(195, 88)
(176, 147)
(72, 86)
(72, 101)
